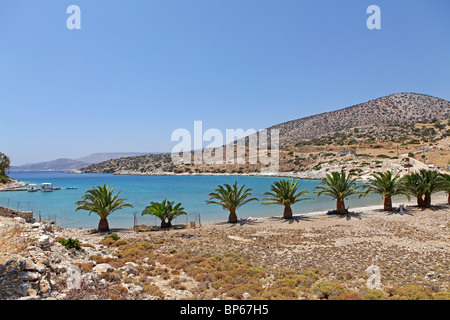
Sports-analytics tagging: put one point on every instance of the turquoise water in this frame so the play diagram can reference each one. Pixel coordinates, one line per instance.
(191, 191)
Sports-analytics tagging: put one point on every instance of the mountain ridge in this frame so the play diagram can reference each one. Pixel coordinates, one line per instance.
(67, 164)
(394, 110)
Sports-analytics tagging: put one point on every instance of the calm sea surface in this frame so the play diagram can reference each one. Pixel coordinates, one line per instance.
(191, 191)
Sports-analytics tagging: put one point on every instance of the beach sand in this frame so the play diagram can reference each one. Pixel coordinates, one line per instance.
(408, 248)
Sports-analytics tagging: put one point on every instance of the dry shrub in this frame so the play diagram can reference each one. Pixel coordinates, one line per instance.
(410, 292)
(84, 267)
(87, 245)
(100, 259)
(278, 294)
(108, 241)
(291, 280)
(115, 296)
(442, 296)
(371, 294)
(153, 290)
(347, 296)
(145, 246)
(129, 252)
(203, 277)
(327, 290)
(59, 239)
(119, 289)
(120, 242)
(111, 277)
(236, 292)
(177, 284)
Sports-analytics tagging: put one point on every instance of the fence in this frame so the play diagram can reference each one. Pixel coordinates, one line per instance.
(26, 209)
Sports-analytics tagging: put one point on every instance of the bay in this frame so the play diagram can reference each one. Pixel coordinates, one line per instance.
(191, 191)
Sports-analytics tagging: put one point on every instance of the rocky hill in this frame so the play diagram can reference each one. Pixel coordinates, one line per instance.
(398, 124)
(64, 164)
(395, 108)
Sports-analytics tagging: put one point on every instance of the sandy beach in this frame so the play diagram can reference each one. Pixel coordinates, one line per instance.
(410, 249)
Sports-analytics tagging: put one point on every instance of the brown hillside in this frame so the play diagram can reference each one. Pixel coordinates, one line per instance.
(396, 108)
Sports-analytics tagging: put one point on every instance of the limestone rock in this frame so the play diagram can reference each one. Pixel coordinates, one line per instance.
(103, 267)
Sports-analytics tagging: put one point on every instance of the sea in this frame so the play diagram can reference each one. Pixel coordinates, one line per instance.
(192, 191)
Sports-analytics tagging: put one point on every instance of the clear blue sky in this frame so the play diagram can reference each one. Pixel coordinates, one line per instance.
(139, 69)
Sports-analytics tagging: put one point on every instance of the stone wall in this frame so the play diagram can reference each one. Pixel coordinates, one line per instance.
(27, 215)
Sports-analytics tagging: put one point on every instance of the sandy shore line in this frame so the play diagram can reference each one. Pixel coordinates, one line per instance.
(409, 248)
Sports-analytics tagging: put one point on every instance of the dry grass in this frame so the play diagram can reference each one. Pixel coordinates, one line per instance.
(11, 242)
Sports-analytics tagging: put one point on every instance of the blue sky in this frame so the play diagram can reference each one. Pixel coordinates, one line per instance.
(137, 70)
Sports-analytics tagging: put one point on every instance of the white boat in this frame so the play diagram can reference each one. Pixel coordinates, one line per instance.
(32, 188)
(47, 187)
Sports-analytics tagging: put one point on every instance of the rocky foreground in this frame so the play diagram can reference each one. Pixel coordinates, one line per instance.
(309, 257)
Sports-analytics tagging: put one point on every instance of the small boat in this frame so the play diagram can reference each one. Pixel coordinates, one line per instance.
(32, 188)
(47, 187)
(71, 188)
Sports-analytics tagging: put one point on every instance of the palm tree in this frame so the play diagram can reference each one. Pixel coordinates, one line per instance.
(103, 202)
(166, 211)
(432, 182)
(413, 186)
(446, 183)
(423, 184)
(230, 198)
(387, 185)
(340, 186)
(285, 192)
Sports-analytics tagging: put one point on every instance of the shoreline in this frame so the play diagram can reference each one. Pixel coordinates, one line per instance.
(12, 184)
(438, 200)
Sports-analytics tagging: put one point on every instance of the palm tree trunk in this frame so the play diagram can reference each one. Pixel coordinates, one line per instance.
(166, 225)
(448, 198)
(340, 206)
(103, 225)
(232, 218)
(287, 212)
(420, 202)
(387, 203)
(427, 200)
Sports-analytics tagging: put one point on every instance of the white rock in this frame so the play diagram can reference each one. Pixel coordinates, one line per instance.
(27, 265)
(130, 270)
(246, 295)
(29, 276)
(40, 268)
(20, 220)
(36, 225)
(31, 298)
(103, 267)
(133, 264)
(44, 242)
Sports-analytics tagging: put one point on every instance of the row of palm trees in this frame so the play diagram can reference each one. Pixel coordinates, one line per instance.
(338, 185)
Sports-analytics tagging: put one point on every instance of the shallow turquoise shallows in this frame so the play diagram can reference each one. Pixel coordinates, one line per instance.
(191, 191)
